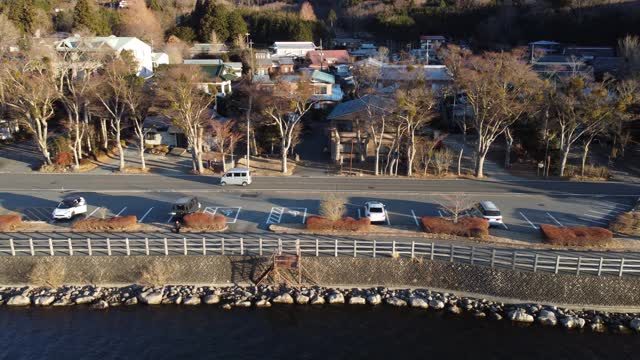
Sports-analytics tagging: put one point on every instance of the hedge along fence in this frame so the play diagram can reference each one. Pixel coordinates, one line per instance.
(115, 223)
(466, 226)
(576, 235)
(204, 221)
(627, 223)
(318, 223)
(10, 222)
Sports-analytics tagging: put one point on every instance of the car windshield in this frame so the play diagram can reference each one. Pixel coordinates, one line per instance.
(67, 204)
(491, 213)
(375, 210)
(179, 207)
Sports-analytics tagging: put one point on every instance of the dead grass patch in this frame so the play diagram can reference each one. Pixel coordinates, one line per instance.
(576, 236)
(118, 223)
(318, 223)
(627, 223)
(205, 222)
(466, 226)
(50, 273)
(134, 170)
(10, 222)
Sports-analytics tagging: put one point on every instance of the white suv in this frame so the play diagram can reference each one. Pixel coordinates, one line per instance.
(375, 211)
(489, 211)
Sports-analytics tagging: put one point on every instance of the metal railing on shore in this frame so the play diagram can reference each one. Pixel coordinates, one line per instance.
(523, 260)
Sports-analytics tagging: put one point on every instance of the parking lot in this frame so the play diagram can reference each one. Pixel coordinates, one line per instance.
(254, 212)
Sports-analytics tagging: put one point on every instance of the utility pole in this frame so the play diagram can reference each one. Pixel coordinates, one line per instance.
(248, 139)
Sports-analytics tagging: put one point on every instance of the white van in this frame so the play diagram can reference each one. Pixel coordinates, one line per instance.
(236, 176)
(489, 211)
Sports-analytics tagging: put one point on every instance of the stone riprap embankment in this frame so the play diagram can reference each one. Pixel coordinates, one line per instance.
(264, 296)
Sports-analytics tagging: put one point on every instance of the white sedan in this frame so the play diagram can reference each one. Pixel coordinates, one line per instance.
(375, 211)
(70, 207)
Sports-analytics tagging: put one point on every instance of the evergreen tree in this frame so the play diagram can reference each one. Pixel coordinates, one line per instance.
(23, 15)
(215, 19)
(83, 15)
(237, 25)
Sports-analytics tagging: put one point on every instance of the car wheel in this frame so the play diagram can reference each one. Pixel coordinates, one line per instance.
(222, 183)
(244, 183)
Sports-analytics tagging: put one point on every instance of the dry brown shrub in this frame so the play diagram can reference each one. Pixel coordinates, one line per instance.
(156, 273)
(203, 221)
(63, 159)
(115, 223)
(10, 222)
(318, 223)
(627, 223)
(49, 272)
(576, 235)
(332, 207)
(466, 226)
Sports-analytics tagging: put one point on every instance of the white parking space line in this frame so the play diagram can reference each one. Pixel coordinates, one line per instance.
(415, 218)
(170, 218)
(602, 213)
(529, 221)
(555, 220)
(359, 216)
(145, 215)
(505, 226)
(386, 215)
(304, 216)
(121, 211)
(226, 211)
(440, 213)
(94, 211)
(594, 221)
(275, 215)
(598, 216)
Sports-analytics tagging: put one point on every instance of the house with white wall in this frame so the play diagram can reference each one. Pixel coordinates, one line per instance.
(292, 48)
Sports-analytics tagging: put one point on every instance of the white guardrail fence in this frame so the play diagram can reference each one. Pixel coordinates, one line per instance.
(523, 260)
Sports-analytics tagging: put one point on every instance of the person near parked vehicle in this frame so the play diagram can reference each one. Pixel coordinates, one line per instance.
(177, 227)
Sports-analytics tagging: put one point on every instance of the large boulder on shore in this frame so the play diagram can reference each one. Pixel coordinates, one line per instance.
(302, 299)
(151, 297)
(44, 300)
(436, 304)
(336, 298)
(317, 300)
(192, 300)
(19, 300)
(211, 299)
(84, 300)
(396, 301)
(357, 300)
(573, 322)
(285, 298)
(374, 299)
(418, 302)
(634, 324)
(546, 317)
(520, 315)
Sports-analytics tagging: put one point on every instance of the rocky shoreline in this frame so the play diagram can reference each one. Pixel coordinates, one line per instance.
(101, 298)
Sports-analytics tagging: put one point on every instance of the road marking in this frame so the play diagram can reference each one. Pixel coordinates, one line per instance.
(598, 216)
(121, 211)
(145, 215)
(94, 211)
(440, 213)
(226, 211)
(170, 218)
(386, 215)
(505, 225)
(359, 216)
(600, 212)
(415, 218)
(304, 216)
(275, 215)
(554, 219)
(530, 223)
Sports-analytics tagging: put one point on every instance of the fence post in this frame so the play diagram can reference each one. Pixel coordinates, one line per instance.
(184, 245)
(433, 249)
(70, 247)
(557, 263)
(222, 246)
(374, 248)
(126, 241)
(260, 246)
(600, 266)
(33, 252)
(393, 248)
(473, 253)
(413, 249)
(241, 246)
(280, 246)
(335, 242)
(535, 263)
(514, 260)
(108, 247)
(579, 265)
(89, 246)
(451, 250)
(317, 248)
(621, 267)
(51, 246)
(166, 247)
(355, 248)
(13, 249)
(493, 258)
(146, 246)
(204, 246)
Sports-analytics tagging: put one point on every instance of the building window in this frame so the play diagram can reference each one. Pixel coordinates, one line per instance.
(320, 90)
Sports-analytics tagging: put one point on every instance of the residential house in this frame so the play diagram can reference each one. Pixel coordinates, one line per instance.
(550, 66)
(325, 89)
(93, 44)
(274, 65)
(159, 58)
(542, 48)
(431, 43)
(343, 123)
(349, 44)
(365, 51)
(323, 59)
(218, 76)
(159, 130)
(292, 48)
(393, 76)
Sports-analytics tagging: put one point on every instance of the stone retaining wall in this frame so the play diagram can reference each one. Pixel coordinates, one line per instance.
(330, 271)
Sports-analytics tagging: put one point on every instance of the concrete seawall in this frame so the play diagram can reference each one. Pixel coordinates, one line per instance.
(587, 291)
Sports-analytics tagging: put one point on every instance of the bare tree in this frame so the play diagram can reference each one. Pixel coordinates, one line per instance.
(9, 34)
(222, 134)
(332, 207)
(414, 109)
(141, 22)
(31, 93)
(138, 99)
(499, 89)
(455, 205)
(629, 50)
(112, 94)
(189, 107)
(289, 103)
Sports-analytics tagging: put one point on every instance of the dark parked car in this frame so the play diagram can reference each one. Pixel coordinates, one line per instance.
(184, 206)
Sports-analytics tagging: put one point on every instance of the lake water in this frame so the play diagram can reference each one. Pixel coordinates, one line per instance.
(289, 332)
